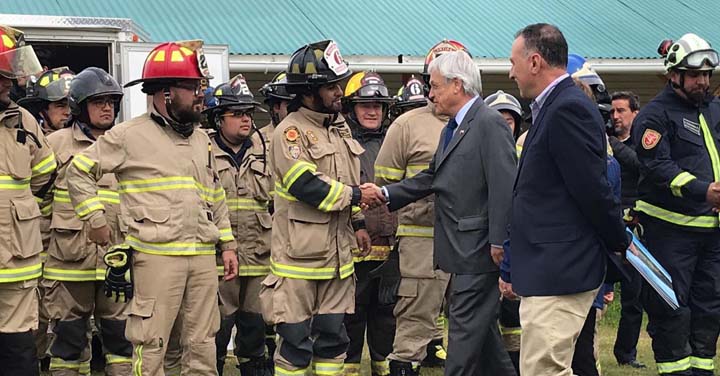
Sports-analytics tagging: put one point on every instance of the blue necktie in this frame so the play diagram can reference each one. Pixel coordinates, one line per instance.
(451, 125)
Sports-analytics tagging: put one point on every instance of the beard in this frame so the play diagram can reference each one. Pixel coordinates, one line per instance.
(184, 114)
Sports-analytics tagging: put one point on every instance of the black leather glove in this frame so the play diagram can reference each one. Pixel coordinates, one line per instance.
(118, 276)
(389, 275)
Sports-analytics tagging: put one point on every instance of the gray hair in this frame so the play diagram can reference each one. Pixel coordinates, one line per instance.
(458, 64)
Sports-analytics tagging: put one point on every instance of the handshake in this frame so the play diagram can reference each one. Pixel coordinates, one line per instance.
(371, 196)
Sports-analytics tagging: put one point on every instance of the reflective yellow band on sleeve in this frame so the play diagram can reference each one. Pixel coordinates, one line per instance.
(279, 371)
(679, 181)
(677, 366)
(238, 204)
(336, 189)
(109, 196)
(510, 331)
(83, 163)
(100, 274)
(389, 173)
(220, 270)
(352, 369)
(705, 221)
(61, 195)
(377, 253)
(327, 369)
(88, 206)
(296, 171)
(45, 166)
(253, 270)
(21, 274)
(8, 182)
(280, 191)
(70, 275)
(415, 169)
(380, 367)
(116, 359)
(356, 209)
(82, 367)
(226, 235)
(416, 231)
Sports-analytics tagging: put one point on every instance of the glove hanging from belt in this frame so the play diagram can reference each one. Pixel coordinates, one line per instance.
(118, 277)
(389, 274)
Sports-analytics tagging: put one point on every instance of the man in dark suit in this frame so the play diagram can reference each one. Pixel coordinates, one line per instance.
(471, 176)
(565, 220)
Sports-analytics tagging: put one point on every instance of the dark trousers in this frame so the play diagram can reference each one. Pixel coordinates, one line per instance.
(684, 340)
(475, 347)
(371, 315)
(628, 332)
(584, 362)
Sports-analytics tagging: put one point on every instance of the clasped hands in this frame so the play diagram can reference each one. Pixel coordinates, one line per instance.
(371, 196)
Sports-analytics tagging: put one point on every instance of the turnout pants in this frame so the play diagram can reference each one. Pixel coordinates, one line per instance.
(18, 317)
(69, 306)
(170, 288)
(684, 340)
(370, 316)
(309, 317)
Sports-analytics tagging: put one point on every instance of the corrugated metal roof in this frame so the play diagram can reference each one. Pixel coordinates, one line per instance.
(598, 28)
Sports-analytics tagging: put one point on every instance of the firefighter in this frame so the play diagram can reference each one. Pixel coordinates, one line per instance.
(240, 156)
(366, 103)
(408, 148)
(317, 173)
(174, 208)
(409, 96)
(27, 164)
(509, 107)
(74, 271)
(679, 196)
(276, 99)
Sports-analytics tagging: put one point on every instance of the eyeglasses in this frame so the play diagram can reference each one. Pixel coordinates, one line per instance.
(196, 89)
(101, 102)
(697, 60)
(240, 113)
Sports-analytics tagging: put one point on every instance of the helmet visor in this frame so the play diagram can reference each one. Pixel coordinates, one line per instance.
(371, 91)
(698, 59)
(19, 62)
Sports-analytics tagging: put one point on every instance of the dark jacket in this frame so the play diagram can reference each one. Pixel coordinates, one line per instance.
(472, 182)
(624, 153)
(565, 220)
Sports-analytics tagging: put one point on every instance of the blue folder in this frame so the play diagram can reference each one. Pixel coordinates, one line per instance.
(651, 270)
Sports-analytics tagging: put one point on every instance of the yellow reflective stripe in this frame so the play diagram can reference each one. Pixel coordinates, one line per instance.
(510, 331)
(279, 371)
(115, 359)
(46, 210)
(282, 192)
(711, 149)
(246, 204)
(253, 270)
(109, 196)
(330, 369)
(336, 189)
(220, 270)
(171, 248)
(99, 274)
(70, 275)
(169, 183)
(8, 182)
(84, 368)
(677, 218)
(83, 163)
(377, 253)
(90, 205)
(137, 366)
(61, 195)
(45, 166)
(355, 210)
(416, 231)
(352, 369)
(226, 235)
(299, 272)
(210, 194)
(388, 173)
(379, 367)
(21, 274)
(295, 171)
(43, 257)
(412, 170)
(702, 363)
(679, 181)
(670, 367)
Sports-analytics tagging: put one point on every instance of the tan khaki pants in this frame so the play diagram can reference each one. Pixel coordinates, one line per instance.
(419, 304)
(168, 288)
(550, 328)
(18, 306)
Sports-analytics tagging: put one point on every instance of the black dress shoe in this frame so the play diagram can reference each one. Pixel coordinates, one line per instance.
(633, 363)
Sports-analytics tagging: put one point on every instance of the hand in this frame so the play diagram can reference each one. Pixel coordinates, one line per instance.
(506, 290)
(230, 264)
(713, 195)
(633, 250)
(364, 242)
(497, 254)
(371, 196)
(100, 235)
(609, 297)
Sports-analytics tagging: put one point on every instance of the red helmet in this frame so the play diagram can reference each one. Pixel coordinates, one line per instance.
(174, 61)
(440, 48)
(16, 59)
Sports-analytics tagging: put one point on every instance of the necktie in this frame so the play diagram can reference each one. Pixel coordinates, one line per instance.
(451, 125)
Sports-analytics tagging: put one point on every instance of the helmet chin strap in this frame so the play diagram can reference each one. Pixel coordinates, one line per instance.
(183, 129)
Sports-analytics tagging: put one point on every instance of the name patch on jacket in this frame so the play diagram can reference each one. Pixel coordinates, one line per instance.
(691, 126)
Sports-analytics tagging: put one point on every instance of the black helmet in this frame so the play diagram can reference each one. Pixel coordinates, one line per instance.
(92, 82)
(232, 95)
(53, 85)
(409, 96)
(275, 89)
(314, 65)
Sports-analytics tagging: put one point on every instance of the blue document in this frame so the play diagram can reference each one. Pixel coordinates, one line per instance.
(652, 272)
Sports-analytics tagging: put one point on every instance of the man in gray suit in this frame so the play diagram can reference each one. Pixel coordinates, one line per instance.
(471, 175)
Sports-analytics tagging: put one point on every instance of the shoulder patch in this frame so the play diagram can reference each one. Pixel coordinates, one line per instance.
(292, 134)
(650, 138)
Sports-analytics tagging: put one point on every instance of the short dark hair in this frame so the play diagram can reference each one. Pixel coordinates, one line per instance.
(629, 96)
(548, 41)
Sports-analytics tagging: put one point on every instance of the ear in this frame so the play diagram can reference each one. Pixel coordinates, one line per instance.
(535, 63)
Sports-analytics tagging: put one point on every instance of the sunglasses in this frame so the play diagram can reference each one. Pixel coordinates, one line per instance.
(196, 89)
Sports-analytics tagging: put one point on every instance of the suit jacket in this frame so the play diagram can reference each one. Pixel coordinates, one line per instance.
(472, 183)
(565, 218)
